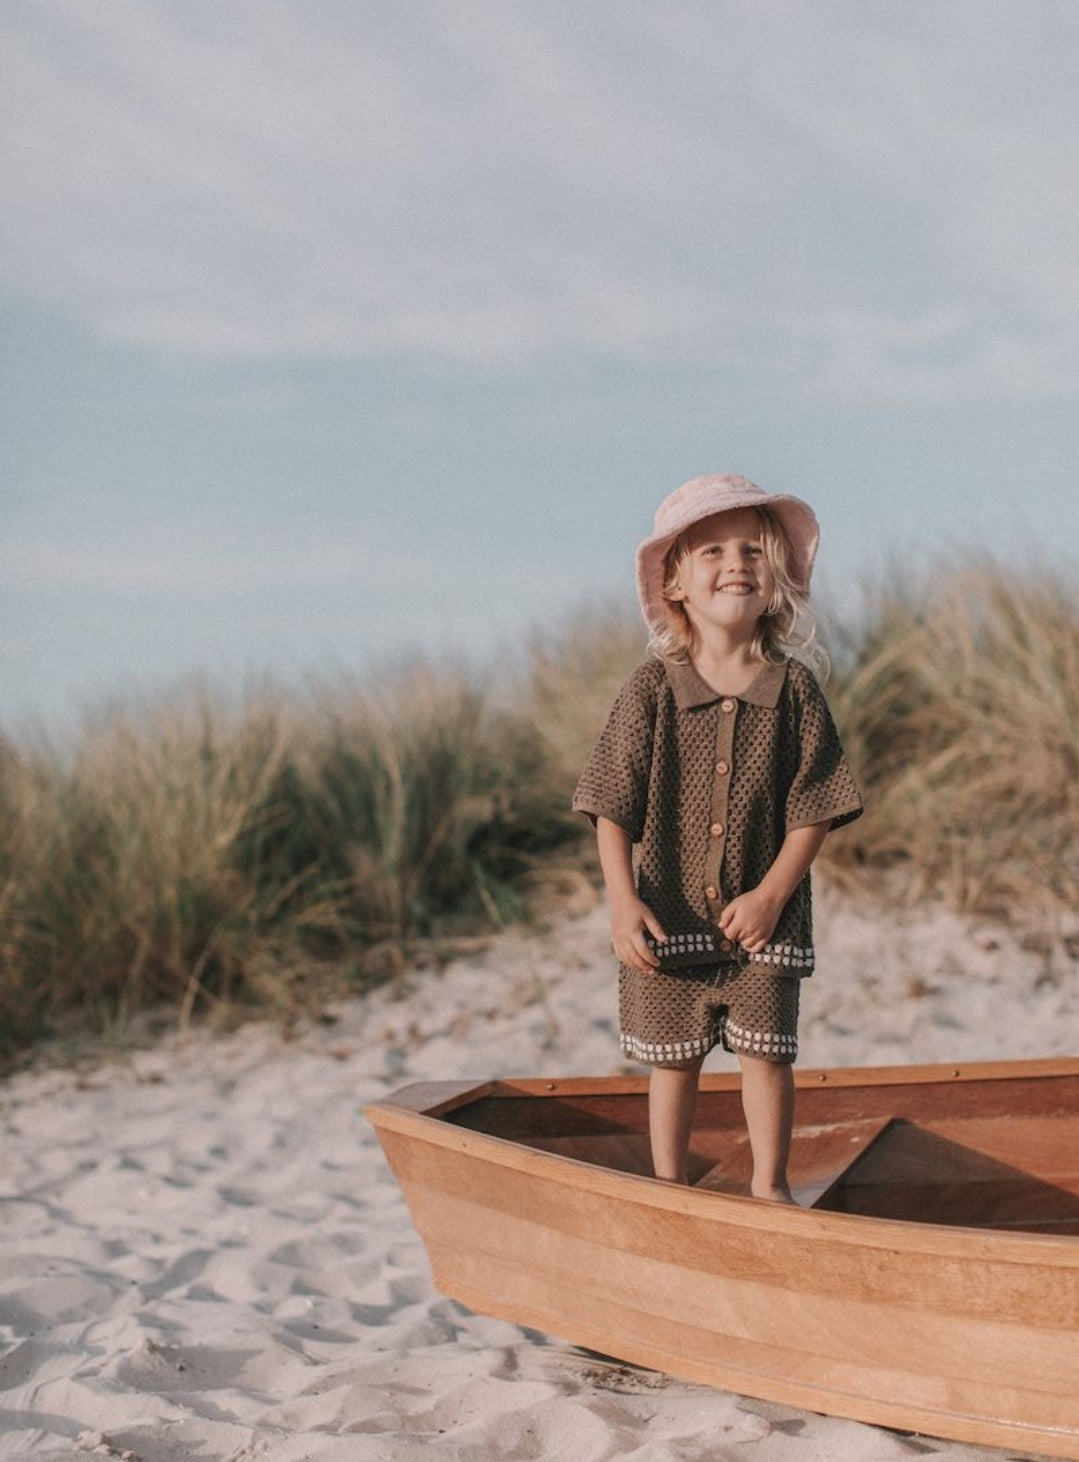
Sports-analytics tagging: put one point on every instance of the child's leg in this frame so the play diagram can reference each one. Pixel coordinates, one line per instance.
(768, 1102)
(672, 1105)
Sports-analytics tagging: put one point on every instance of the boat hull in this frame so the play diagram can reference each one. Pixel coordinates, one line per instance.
(971, 1334)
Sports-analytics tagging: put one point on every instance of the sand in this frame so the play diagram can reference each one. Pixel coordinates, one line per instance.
(204, 1255)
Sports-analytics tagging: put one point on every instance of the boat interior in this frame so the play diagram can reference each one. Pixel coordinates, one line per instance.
(999, 1154)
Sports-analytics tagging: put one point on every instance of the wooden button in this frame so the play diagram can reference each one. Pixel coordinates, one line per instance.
(726, 946)
(717, 829)
(722, 768)
(727, 705)
(711, 893)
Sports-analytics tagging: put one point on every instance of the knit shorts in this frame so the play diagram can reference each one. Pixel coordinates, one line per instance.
(672, 1019)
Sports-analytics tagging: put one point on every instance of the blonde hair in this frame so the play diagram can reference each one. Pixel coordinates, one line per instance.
(788, 627)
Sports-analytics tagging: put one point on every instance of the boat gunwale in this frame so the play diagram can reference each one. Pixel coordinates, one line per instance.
(403, 1113)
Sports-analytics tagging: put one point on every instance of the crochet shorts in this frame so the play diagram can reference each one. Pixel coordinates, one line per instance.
(672, 1019)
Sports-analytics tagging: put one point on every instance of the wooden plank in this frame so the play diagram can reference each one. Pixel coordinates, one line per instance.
(1014, 1074)
(837, 1355)
(527, 1119)
(928, 1100)
(1046, 1147)
(434, 1098)
(940, 1072)
(624, 1152)
(918, 1173)
(824, 1156)
(819, 1158)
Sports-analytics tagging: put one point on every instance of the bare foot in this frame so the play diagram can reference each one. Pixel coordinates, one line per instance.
(774, 1195)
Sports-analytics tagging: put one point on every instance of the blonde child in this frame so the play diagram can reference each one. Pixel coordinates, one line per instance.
(712, 788)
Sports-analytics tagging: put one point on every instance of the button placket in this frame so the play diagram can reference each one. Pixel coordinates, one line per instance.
(717, 832)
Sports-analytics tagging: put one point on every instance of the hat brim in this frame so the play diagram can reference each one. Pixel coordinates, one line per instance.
(797, 518)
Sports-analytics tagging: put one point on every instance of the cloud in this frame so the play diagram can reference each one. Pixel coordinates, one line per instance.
(376, 578)
(866, 199)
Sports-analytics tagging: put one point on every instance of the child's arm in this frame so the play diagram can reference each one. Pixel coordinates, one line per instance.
(750, 918)
(630, 917)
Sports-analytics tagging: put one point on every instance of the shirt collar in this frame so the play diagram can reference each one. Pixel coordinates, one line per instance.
(690, 690)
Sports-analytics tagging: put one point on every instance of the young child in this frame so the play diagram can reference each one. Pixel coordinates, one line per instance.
(719, 774)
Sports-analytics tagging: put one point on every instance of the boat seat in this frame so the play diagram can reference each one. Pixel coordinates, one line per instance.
(820, 1157)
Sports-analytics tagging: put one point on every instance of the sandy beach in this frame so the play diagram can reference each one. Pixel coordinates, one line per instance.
(205, 1256)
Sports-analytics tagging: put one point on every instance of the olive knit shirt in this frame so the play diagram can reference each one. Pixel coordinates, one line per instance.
(709, 786)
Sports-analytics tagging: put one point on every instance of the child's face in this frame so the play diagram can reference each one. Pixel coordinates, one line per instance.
(724, 580)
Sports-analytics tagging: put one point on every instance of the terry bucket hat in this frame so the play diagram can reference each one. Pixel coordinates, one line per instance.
(699, 498)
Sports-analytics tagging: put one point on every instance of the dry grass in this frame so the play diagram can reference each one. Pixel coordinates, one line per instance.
(571, 678)
(193, 859)
(120, 889)
(959, 707)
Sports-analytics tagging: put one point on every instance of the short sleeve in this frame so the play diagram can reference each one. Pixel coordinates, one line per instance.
(614, 783)
(823, 788)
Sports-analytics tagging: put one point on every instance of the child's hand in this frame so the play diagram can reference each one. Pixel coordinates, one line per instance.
(630, 921)
(750, 919)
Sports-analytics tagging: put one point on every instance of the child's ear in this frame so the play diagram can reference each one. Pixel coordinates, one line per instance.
(674, 592)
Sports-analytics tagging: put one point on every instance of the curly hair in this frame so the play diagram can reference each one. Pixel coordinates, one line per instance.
(787, 627)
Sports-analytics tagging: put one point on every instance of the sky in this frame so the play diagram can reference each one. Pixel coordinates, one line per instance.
(339, 332)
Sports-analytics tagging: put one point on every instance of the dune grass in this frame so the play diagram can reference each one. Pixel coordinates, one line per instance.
(196, 859)
(959, 707)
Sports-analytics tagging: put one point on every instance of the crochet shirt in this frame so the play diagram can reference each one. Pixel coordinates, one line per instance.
(709, 785)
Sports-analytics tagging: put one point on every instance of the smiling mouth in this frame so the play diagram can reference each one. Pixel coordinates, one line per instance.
(736, 588)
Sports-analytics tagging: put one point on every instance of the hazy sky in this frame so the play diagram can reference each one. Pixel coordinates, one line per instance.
(334, 329)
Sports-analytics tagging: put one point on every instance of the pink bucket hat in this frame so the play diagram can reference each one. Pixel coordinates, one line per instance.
(719, 493)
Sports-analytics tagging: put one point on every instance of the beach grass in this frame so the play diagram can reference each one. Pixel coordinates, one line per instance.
(194, 858)
(958, 701)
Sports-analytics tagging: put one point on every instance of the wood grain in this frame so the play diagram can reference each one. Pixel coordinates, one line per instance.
(935, 1287)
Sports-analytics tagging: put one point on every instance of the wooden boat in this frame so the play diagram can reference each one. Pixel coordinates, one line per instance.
(929, 1283)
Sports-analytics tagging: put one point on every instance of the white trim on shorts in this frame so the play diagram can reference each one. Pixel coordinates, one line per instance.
(771, 1045)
